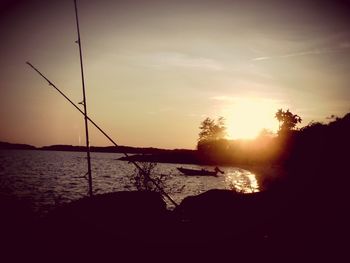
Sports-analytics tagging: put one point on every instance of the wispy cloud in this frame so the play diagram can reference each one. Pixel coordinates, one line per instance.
(223, 98)
(180, 60)
(246, 99)
(344, 45)
(261, 58)
(341, 47)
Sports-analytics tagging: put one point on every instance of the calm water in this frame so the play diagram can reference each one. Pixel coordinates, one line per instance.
(47, 178)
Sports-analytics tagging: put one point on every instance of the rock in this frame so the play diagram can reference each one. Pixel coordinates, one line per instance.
(222, 214)
(120, 221)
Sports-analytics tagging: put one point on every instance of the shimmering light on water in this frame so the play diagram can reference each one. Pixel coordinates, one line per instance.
(47, 178)
(242, 181)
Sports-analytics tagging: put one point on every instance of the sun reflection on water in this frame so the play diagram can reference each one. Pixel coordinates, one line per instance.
(242, 181)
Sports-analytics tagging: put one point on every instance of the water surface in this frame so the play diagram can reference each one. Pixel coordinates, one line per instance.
(48, 178)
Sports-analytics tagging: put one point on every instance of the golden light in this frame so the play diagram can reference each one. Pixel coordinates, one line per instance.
(246, 117)
(241, 181)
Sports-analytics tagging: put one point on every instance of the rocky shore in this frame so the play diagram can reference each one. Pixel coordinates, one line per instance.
(137, 226)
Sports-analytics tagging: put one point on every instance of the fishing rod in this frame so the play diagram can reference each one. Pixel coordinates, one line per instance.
(105, 134)
(84, 102)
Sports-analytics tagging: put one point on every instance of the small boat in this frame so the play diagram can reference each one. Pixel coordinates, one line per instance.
(197, 172)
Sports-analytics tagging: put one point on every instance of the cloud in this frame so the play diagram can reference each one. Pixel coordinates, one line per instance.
(180, 60)
(344, 45)
(341, 47)
(223, 98)
(247, 100)
(261, 58)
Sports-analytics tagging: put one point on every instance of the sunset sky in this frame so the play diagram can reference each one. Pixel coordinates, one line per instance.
(155, 69)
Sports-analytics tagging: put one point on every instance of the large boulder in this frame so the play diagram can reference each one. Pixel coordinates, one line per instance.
(109, 224)
(224, 214)
(17, 227)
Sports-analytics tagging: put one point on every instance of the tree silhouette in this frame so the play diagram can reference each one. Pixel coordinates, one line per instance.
(212, 130)
(287, 120)
(212, 144)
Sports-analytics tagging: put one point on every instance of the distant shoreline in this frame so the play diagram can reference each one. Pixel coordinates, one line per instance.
(73, 148)
(146, 154)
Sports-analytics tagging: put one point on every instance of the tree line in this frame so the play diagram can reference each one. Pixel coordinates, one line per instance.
(214, 147)
(215, 130)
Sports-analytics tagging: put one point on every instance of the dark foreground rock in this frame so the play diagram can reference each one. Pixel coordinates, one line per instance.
(137, 226)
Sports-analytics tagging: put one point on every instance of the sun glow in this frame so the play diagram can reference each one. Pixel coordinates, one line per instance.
(246, 118)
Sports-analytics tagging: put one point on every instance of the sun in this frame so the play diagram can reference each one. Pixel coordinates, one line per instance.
(246, 117)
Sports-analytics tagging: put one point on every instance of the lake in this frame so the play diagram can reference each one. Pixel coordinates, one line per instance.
(49, 178)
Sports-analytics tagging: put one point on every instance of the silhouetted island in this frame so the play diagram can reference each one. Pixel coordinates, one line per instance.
(16, 146)
(167, 155)
(107, 149)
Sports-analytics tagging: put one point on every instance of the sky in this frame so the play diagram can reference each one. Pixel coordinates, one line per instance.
(155, 69)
